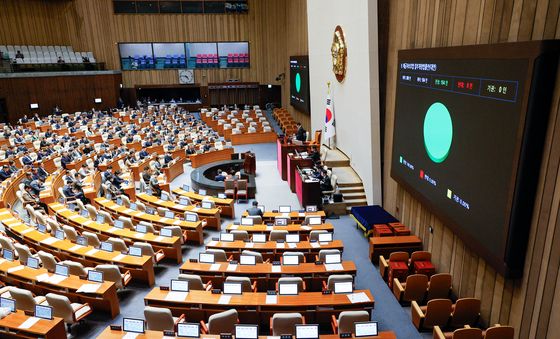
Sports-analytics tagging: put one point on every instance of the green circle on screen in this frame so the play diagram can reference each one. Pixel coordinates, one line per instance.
(438, 132)
(298, 82)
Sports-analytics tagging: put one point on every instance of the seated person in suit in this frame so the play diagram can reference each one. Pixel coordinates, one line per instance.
(143, 153)
(65, 159)
(167, 158)
(26, 159)
(301, 134)
(220, 176)
(68, 190)
(31, 199)
(255, 210)
(5, 173)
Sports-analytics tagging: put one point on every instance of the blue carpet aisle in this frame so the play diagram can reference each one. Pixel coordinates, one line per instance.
(271, 191)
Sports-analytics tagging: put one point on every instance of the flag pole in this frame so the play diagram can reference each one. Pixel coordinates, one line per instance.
(329, 93)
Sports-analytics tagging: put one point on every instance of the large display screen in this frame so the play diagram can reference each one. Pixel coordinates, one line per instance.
(192, 55)
(467, 140)
(299, 83)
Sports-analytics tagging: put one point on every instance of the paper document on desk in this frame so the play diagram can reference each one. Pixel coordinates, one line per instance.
(301, 215)
(272, 299)
(158, 238)
(29, 322)
(306, 228)
(176, 296)
(249, 244)
(315, 245)
(49, 241)
(27, 230)
(130, 335)
(195, 209)
(15, 269)
(233, 227)
(74, 217)
(215, 267)
(177, 222)
(56, 279)
(140, 235)
(269, 228)
(333, 267)
(285, 215)
(88, 288)
(118, 257)
(112, 230)
(231, 268)
(224, 299)
(42, 277)
(276, 269)
(292, 245)
(92, 251)
(128, 211)
(163, 219)
(88, 222)
(359, 297)
(280, 245)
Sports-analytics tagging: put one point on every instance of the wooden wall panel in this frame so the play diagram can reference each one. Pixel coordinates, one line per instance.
(529, 303)
(71, 93)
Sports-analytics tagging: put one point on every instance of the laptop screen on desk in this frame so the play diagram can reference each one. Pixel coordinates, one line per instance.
(165, 232)
(179, 285)
(186, 188)
(232, 288)
(332, 259)
(8, 303)
(133, 206)
(95, 276)
(59, 234)
(61, 270)
(247, 221)
(43, 312)
(261, 238)
(307, 331)
(202, 192)
(281, 221)
(188, 330)
(169, 215)
(226, 237)
(32, 262)
(107, 246)
(207, 258)
(119, 224)
(343, 287)
(314, 221)
(246, 331)
(100, 219)
(288, 289)
(135, 251)
(366, 329)
(284, 209)
(206, 204)
(191, 217)
(311, 208)
(247, 260)
(290, 259)
(133, 325)
(293, 238)
(325, 237)
(141, 228)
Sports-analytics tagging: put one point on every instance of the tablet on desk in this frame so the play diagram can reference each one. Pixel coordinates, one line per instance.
(292, 238)
(314, 221)
(81, 240)
(133, 206)
(343, 287)
(43, 312)
(141, 228)
(288, 259)
(222, 196)
(206, 204)
(246, 331)
(119, 201)
(32, 262)
(95, 276)
(8, 303)
(183, 201)
(226, 237)
(41, 228)
(284, 209)
(106, 246)
(119, 224)
(206, 258)
(307, 331)
(281, 221)
(169, 215)
(186, 188)
(8, 254)
(232, 288)
(59, 234)
(135, 251)
(202, 192)
(61, 269)
(188, 330)
(247, 221)
(325, 237)
(288, 289)
(333, 259)
(260, 238)
(133, 325)
(164, 197)
(100, 219)
(179, 285)
(84, 213)
(366, 329)
(247, 260)
(166, 232)
(191, 217)
(311, 208)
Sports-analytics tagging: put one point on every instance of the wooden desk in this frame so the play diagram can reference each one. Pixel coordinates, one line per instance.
(226, 205)
(386, 245)
(293, 162)
(253, 138)
(295, 216)
(315, 306)
(272, 250)
(47, 329)
(48, 195)
(198, 160)
(308, 192)
(76, 165)
(104, 299)
(291, 228)
(263, 274)
(282, 151)
(141, 268)
(8, 190)
(110, 334)
(139, 167)
(171, 246)
(174, 169)
(212, 215)
(194, 229)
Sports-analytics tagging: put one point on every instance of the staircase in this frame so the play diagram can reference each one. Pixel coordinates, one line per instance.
(349, 183)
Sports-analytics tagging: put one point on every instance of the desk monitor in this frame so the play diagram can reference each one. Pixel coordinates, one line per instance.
(186, 188)
(166, 232)
(133, 206)
(61, 269)
(72, 207)
(290, 259)
(226, 237)
(206, 204)
(81, 240)
(288, 289)
(100, 219)
(179, 285)
(307, 331)
(188, 330)
(247, 260)
(284, 209)
(261, 207)
(169, 214)
(133, 325)
(119, 201)
(333, 259)
(191, 217)
(84, 213)
(311, 208)
(43, 312)
(281, 221)
(202, 192)
(148, 191)
(141, 228)
(260, 238)
(8, 254)
(95, 276)
(164, 197)
(8, 303)
(32, 262)
(314, 221)
(343, 287)
(247, 221)
(365, 329)
(135, 251)
(293, 238)
(206, 258)
(222, 196)
(119, 224)
(325, 237)
(246, 331)
(184, 201)
(106, 246)
(59, 234)
(41, 228)
(150, 210)
(232, 288)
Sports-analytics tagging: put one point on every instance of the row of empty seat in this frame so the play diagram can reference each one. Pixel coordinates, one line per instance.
(44, 54)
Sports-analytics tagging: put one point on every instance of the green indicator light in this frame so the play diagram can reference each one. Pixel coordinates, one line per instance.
(438, 132)
(298, 82)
